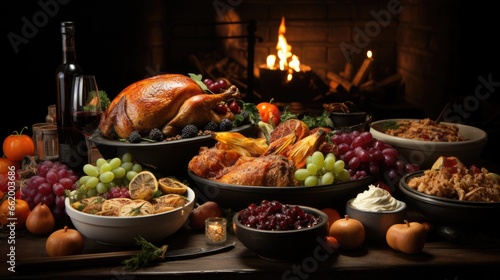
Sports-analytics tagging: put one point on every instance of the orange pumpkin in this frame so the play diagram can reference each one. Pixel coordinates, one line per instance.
(350, 233)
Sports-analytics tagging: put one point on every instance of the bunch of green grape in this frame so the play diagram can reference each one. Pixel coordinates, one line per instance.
(100, 178)
(322, 170)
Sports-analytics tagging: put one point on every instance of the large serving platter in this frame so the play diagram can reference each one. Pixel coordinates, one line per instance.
(238, 197)
(167, 156)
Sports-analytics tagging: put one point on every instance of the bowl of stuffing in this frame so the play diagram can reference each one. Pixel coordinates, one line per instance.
(120, 221)
(454, 196)
(297, 233)
(423, 141)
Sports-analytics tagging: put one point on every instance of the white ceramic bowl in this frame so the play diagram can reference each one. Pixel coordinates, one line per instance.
(123, 231)
(376, 223)
(425, 153)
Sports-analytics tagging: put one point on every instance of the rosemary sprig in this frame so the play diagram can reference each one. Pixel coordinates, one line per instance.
(149, 253)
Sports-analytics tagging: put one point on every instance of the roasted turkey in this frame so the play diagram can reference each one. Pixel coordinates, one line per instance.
(168, 102)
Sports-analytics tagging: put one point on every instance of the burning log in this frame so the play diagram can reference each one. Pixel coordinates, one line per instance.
(339, 80)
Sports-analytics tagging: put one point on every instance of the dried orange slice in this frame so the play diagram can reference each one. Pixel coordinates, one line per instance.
(137, 207)
(143, 185)
(170, 185)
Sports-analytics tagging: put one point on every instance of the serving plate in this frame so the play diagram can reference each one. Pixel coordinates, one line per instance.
(238, 197)
(167, 156)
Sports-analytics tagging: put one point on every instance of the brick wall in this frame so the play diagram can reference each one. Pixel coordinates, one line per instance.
(416, 39)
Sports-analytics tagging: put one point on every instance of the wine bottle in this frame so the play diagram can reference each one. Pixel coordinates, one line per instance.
(72, 147)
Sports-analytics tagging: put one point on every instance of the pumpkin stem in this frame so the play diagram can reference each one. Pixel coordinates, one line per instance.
(65, 228)
(407, 223)
(346, 217)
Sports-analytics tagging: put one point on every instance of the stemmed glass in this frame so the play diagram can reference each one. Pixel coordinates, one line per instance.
(86, 108)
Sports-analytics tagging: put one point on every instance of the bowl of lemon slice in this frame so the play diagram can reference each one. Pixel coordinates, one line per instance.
(156, 209)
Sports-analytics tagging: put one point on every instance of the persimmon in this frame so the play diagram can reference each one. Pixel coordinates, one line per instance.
(350, 233)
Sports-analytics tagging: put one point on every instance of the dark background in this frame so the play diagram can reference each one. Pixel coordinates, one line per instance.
(110, 37)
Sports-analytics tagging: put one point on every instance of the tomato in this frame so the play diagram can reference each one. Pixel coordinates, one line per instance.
(20, 209)
(269, 113)
(18, 145)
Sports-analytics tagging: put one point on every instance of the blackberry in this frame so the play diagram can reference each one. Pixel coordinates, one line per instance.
(189, 131)
(226, 125)
(245, 115)
(134, 137)
(212, 126)
(156, 135)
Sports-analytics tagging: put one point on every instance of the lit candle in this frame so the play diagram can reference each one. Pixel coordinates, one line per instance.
(363, 70)
(215, 230)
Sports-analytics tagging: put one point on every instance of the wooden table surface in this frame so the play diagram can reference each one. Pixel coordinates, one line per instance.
(474, 256)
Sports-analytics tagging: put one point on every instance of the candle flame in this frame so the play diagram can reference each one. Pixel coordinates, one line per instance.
(369, 54)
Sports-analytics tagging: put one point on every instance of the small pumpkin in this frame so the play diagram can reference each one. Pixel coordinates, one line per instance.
(40, 220)
(408, 238)
(350, 233)
(64, 242)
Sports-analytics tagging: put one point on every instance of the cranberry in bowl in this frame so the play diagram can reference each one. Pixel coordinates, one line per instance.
(281, 232)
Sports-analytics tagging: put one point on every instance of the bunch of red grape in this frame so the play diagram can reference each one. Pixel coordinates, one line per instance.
(49, 185)
(220, 86)
(365, 155)
(216, 86)
(117, 192)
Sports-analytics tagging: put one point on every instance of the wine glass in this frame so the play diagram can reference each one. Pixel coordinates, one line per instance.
(86, 108)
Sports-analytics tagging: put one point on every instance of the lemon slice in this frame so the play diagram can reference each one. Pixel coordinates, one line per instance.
(137, 207)
(168, 202)
(171, 186)
(111, 207)
(143, 185)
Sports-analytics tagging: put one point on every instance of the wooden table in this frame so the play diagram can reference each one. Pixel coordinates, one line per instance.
(440, 259)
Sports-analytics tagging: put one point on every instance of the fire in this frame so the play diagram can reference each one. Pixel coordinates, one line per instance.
(285, 59)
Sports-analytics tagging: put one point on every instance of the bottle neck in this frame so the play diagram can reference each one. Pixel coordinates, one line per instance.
(68, 47)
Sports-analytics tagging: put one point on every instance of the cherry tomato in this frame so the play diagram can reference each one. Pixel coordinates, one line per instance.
(18, 145)
(269, 113)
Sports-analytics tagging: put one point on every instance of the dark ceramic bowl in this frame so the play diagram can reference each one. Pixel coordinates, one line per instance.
(446, 211)
(238, 197)
(169, 157)
(347, 122)
(284, 245)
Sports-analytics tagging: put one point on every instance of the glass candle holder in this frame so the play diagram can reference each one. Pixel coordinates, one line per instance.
(215, 230)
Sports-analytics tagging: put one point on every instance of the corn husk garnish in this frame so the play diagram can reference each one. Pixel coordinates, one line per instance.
(243, 145)
(280, 145)
(305, 147)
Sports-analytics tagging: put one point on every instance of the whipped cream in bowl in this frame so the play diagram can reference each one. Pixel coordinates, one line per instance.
(377, 210)
(376, 199)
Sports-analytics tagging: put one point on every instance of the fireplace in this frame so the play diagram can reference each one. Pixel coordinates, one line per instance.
(411, 58)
